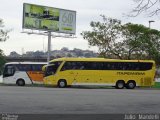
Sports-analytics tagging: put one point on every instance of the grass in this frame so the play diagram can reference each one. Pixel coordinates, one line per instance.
(157, 85)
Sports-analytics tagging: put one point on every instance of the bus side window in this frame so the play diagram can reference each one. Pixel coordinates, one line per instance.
(27, 67)
(66, 66)
(36, 67)
(146, 66)
(81, 66)
(20, 67)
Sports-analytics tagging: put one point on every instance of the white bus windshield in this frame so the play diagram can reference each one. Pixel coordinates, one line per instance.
(9, 70)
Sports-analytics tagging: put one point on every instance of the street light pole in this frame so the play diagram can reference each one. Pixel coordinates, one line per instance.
(150, 23)
(149, 35)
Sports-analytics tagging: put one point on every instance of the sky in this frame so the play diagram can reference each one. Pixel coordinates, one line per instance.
(11, 11)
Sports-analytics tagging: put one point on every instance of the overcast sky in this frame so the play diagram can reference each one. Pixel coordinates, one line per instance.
(87, 11)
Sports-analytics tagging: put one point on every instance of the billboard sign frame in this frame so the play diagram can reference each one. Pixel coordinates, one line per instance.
(44, 18)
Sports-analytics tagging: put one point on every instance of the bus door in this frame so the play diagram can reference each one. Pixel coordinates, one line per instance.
(50, 72)
(68, 72)
(75, 77)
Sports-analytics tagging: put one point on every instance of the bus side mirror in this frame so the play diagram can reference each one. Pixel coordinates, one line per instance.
(44, 68)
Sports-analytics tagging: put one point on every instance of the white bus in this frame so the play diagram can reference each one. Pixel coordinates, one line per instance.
(22, 73)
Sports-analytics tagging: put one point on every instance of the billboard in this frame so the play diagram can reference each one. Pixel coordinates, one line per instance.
(45, 18)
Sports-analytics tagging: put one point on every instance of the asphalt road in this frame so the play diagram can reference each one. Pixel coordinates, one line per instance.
(42, 100)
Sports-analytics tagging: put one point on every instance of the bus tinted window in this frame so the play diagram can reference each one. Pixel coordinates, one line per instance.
(81, 65)
(29, 67)
(36, 67)
(23, 67)
(127, 66)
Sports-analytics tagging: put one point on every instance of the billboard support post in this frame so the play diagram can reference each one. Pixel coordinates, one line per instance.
(49, 46)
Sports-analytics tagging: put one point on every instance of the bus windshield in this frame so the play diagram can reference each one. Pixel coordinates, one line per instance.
(52, 68)
(9, 70)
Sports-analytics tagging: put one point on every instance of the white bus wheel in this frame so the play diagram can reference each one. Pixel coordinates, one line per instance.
(20, 82)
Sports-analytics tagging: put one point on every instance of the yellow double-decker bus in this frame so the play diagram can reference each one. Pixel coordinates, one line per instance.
(64, 72)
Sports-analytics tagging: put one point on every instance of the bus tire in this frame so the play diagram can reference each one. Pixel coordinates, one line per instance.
(20, 82)
(120, 84)
(62, 83)
(131, 84)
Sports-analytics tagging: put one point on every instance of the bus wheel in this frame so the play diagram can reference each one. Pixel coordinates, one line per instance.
(131, 84)
(20, 82)
(120, 84)
(62, 83)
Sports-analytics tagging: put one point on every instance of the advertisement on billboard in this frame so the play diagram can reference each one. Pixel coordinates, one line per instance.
(45, 18)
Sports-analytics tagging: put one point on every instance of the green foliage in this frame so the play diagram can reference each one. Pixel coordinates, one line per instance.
(157, 85)
(128, 41)
(103, 35)
(2, 61)
(142, 41)
(3, 37)
(133, 38)
(3, 33)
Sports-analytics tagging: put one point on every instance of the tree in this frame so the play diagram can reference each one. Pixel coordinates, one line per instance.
(153, 44)
(3, 33)
(78, 52)
(104, 36)
(3, 37)
(2, 61)
(150, 6)
(140, 42)
(132, 43)
(69, 55)
(14, 54)
(65, 49)
(128, 41)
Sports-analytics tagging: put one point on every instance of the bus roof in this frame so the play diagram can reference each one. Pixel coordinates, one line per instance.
(26, 63)
(98, 59)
